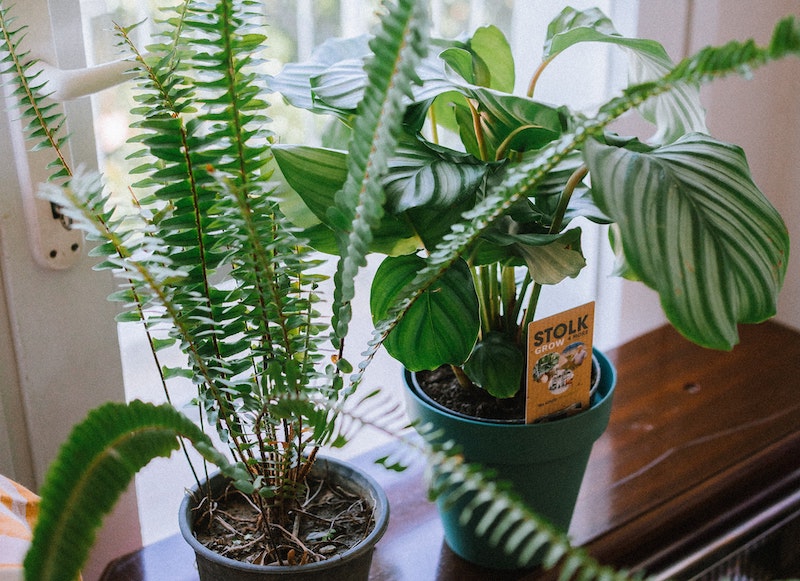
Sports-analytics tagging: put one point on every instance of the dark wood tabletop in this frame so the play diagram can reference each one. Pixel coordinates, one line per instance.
(703, 449)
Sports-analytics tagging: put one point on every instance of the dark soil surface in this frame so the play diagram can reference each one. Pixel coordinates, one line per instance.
(329, 521)
(442, 386)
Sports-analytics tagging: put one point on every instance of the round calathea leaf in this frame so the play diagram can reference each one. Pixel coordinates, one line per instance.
(693, 225)
(496, 365)
(440, 327)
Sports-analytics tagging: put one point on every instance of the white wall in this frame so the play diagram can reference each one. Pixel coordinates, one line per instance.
(762, 115)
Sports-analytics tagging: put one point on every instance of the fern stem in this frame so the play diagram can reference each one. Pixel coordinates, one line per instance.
(226, 406)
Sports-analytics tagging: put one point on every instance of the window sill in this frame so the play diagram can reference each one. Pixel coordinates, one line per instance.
(699, 457)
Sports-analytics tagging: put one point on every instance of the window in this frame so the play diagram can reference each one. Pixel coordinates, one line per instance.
(293, 34)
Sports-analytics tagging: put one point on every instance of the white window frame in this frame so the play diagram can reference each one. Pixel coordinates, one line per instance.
(59, 353)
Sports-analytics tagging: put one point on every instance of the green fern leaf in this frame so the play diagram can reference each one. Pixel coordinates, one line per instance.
(44, 121)
(95, 466)
(398, 48)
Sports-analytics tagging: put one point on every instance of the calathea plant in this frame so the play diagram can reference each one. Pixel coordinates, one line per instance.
(488, 183)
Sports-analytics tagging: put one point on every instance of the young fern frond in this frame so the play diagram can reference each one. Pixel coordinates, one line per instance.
(399, 47)
(44, 119)
(94, 467)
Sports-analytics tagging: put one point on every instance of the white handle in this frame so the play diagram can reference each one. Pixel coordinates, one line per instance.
(74, 83)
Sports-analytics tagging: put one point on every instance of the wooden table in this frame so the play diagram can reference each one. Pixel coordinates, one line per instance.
(702, 455)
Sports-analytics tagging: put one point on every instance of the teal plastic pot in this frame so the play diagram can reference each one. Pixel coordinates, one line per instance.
(352, 565)
(544, 462)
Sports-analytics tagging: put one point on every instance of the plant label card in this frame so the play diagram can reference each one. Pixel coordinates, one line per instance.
(559, 376)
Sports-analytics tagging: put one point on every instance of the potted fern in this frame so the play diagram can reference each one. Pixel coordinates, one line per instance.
(477, 221)
(207, 261)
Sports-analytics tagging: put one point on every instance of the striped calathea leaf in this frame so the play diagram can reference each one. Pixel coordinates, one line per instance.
(692, 225)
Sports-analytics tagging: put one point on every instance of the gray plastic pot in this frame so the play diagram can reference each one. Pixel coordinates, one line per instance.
(545, 462)
(352, 565)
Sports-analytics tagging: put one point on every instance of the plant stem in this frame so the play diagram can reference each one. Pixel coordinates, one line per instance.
(434, 126)
(463, 380)
(480, 278)
(504, 146)
(538, 73)
(563, 202)
(555, 226)
(476, 125)
(508, 294)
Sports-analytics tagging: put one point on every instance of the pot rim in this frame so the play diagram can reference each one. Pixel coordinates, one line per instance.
(352, 473)
(597, 399)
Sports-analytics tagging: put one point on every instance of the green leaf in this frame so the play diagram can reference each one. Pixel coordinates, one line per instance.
(497, 365)
(341, 86)
(553, 262)
(316, 175)
(490, 45)
(440, 327)
(93, 468)
(675, 113)
(695, 227)
(461, 61)
(425, 174)
(573, 26)
(484, 61)
(294, 81)
(508, 122)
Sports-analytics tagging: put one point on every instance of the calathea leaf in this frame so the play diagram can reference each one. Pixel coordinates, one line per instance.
(485, 60)
(694, 226)
(340, 86)
(496, 365)
(490, 45)
(550, 258)
(553, 262)
(508, 122)
(440, 327)
(315, 174)
(675, 113)
(425, 174)
(294, 82)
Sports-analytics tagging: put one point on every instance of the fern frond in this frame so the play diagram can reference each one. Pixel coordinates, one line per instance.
(192, 151)
(94, 467)
(398, 48)
(131, 248)
(44, 120)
